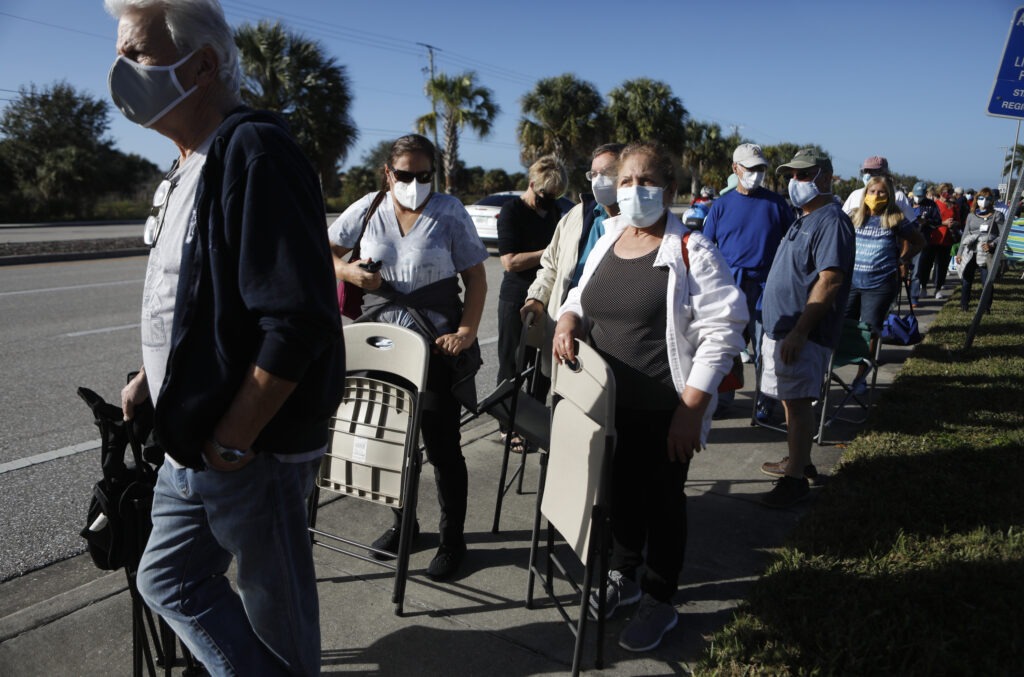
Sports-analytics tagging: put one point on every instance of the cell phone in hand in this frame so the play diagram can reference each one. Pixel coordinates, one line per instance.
(371, 266)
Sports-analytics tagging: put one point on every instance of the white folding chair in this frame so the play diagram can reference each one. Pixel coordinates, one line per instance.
(524, 416)
(572, 495)
(373, 453)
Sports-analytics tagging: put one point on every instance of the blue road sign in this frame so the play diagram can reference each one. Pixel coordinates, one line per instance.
(1008, 91)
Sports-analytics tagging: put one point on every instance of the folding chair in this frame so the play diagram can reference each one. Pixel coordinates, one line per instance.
(525, 416)
(854, 350)
(1014, 253)
(572, 495)
(373, 453)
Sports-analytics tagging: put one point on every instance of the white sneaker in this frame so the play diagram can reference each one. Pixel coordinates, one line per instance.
(939, 295)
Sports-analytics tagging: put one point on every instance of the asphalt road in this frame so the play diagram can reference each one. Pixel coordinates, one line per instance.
(76, 324)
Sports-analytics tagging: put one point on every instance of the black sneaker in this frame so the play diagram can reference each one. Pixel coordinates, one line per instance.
(446, 562)
(778, 469)
(389, 541)
(788, 492)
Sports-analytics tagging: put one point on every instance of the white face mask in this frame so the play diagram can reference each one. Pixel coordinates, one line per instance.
(802, 192)
(146, 93)
(604, 189)
(411, 195)
(983, 203)
(865, 178)
(751, 180)
(641, 205)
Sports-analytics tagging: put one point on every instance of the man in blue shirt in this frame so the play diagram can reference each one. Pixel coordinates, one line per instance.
(804, 300)
(747, 224)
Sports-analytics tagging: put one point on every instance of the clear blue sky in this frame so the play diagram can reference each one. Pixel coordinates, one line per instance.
(908, 79)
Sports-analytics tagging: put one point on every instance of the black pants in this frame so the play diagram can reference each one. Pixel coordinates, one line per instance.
(510, 328)
(967, 281)
(936, 257)
(439, 426)
(648, 505)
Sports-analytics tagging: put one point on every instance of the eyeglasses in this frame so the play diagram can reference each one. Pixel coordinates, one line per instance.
(155, 220)
(609, 172)
(403, 176)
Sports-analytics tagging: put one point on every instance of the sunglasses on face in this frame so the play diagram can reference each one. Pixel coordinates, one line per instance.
(403, 176)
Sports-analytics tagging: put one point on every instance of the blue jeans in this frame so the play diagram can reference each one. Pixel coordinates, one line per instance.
(256, 515)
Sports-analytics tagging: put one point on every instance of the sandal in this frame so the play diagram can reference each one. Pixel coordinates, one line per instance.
(518, 445)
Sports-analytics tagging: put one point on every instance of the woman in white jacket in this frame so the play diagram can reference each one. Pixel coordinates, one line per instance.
(669, 323)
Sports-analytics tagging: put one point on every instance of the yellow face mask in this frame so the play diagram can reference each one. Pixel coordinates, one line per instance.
(876, 203)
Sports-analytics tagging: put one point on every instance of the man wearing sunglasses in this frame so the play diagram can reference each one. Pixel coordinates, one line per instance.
(804, 299)
(242, 352)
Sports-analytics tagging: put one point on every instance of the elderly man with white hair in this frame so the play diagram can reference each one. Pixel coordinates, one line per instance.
(241, 347)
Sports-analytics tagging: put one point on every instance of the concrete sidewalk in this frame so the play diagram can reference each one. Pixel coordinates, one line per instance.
(70, 618)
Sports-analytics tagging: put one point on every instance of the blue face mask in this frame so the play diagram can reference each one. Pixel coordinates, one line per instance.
(802, 192)
(641, 205)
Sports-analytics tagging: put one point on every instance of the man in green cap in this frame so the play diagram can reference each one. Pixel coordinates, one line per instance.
(804, 299)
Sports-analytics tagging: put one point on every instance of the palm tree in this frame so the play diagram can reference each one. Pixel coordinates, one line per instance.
(1012, 162)
(292, 75)
(645, 109)
(462, 102)
(707, 155)
(563, 116)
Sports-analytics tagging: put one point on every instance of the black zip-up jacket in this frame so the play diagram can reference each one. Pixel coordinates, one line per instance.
(257, 287)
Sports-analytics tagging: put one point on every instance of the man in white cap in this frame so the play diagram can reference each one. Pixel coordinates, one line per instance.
(747, 224)
(876, 165)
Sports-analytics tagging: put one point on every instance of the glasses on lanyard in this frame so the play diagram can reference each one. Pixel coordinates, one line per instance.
(155, 220)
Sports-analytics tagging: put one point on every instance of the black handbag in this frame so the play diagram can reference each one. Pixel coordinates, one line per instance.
(463, 366)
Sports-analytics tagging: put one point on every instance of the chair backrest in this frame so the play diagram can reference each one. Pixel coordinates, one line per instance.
(376, 426)
(582, 441)
(854, 344)
(1015, 241)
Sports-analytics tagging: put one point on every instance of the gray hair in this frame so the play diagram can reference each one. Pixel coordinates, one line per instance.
(193, 24)
(613, 148)
(548, 174)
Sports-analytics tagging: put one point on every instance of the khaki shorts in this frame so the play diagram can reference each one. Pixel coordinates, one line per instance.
(802, 379)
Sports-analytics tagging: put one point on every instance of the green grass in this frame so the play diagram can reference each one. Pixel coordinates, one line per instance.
(911, 562)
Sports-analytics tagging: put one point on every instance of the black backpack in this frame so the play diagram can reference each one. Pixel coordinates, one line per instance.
(118, 521)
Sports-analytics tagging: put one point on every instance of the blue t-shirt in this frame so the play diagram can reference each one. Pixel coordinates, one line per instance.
(878, 252)
(815, 242)
(596, 231)
(748, 229)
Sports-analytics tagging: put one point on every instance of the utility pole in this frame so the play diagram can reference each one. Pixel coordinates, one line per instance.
(433, 110)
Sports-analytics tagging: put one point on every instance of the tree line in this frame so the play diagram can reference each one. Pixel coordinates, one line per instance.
(56, 160)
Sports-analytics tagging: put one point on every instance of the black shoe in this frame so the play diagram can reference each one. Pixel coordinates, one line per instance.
(446, 562)
(788, 492)
(389, 541)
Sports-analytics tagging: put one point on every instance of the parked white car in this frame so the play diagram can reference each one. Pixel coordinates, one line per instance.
(485, 212)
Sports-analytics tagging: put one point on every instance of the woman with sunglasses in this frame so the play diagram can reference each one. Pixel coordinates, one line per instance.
(659, 303)
(981, 236)
(424, 243)
(525, 227)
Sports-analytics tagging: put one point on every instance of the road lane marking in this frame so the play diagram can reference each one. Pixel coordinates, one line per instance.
(102, 330)
(22, 292)
(48, 456)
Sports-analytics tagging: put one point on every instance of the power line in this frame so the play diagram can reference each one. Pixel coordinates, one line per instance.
(62, 28)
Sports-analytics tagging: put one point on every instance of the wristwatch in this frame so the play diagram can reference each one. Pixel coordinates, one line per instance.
(227, 454)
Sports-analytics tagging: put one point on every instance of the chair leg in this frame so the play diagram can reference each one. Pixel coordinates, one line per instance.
(535, 538)
(412, 483)
(501, 482)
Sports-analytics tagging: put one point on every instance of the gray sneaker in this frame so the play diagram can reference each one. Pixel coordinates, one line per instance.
(653, 619)
(619, 591)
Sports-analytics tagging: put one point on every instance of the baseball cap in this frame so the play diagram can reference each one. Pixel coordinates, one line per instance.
(806, 158)
(749, 155)
(920, 189)
(875, 163)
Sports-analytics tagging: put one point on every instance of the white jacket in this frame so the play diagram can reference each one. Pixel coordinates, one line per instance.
(706, 310)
